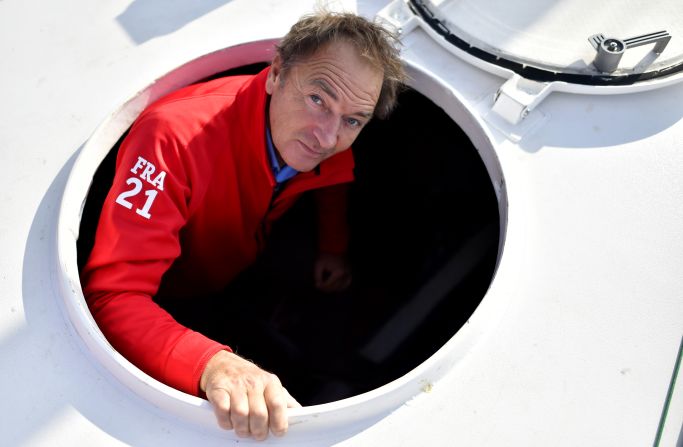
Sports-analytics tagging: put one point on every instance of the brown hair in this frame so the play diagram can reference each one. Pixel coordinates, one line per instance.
(373, 42)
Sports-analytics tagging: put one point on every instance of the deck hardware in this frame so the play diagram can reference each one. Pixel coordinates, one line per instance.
(518, 96)
(611, 49)
(397, 17)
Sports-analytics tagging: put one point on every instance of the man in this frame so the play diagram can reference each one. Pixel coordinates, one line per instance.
(201, 177)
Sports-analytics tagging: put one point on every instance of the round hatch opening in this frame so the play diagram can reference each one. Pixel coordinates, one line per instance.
(427, 216)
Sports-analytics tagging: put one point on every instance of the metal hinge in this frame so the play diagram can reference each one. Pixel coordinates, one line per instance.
(518, 96)
(397, 17)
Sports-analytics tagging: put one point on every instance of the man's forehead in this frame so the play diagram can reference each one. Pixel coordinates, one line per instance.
(325, 87)
(338, 56)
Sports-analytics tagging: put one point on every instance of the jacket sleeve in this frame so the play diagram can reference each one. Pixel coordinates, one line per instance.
(333, 226)
(137, 241)
(332, 204)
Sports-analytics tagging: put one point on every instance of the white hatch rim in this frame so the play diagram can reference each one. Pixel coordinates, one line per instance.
(313, 421)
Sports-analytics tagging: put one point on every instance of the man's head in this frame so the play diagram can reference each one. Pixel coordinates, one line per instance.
(331, 74)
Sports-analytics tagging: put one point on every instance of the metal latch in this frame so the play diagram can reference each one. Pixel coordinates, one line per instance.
(611, 49)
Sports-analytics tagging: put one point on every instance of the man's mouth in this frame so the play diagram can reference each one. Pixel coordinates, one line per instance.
(310, 151)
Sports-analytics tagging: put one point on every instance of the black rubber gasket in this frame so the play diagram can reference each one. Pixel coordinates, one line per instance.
(536, 73)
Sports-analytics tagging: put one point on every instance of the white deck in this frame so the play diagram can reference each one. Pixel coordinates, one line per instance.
(579, 331)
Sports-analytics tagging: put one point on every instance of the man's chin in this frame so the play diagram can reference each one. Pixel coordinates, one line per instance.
(303, 167)
(303, 164)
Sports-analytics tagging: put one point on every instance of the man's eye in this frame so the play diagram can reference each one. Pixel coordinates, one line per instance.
(316, 99)
(353, 122)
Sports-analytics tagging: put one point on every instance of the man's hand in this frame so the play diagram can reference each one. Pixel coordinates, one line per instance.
(332, 273)
(245, 397)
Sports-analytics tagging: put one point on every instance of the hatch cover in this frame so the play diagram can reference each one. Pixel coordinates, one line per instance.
(552, 40)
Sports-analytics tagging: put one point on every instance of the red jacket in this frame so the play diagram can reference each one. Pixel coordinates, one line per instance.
(191, 201)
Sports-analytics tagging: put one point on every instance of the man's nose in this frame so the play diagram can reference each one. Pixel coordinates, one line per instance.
(327, 131)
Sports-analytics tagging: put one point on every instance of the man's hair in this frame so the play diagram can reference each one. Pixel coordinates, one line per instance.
(375, 44)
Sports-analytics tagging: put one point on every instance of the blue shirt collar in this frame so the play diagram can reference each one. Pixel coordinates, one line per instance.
(284, 173)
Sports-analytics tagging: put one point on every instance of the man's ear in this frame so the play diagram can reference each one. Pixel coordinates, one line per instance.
(274, 74)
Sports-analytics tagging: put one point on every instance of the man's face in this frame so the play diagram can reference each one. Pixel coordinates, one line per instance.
(320, 106)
